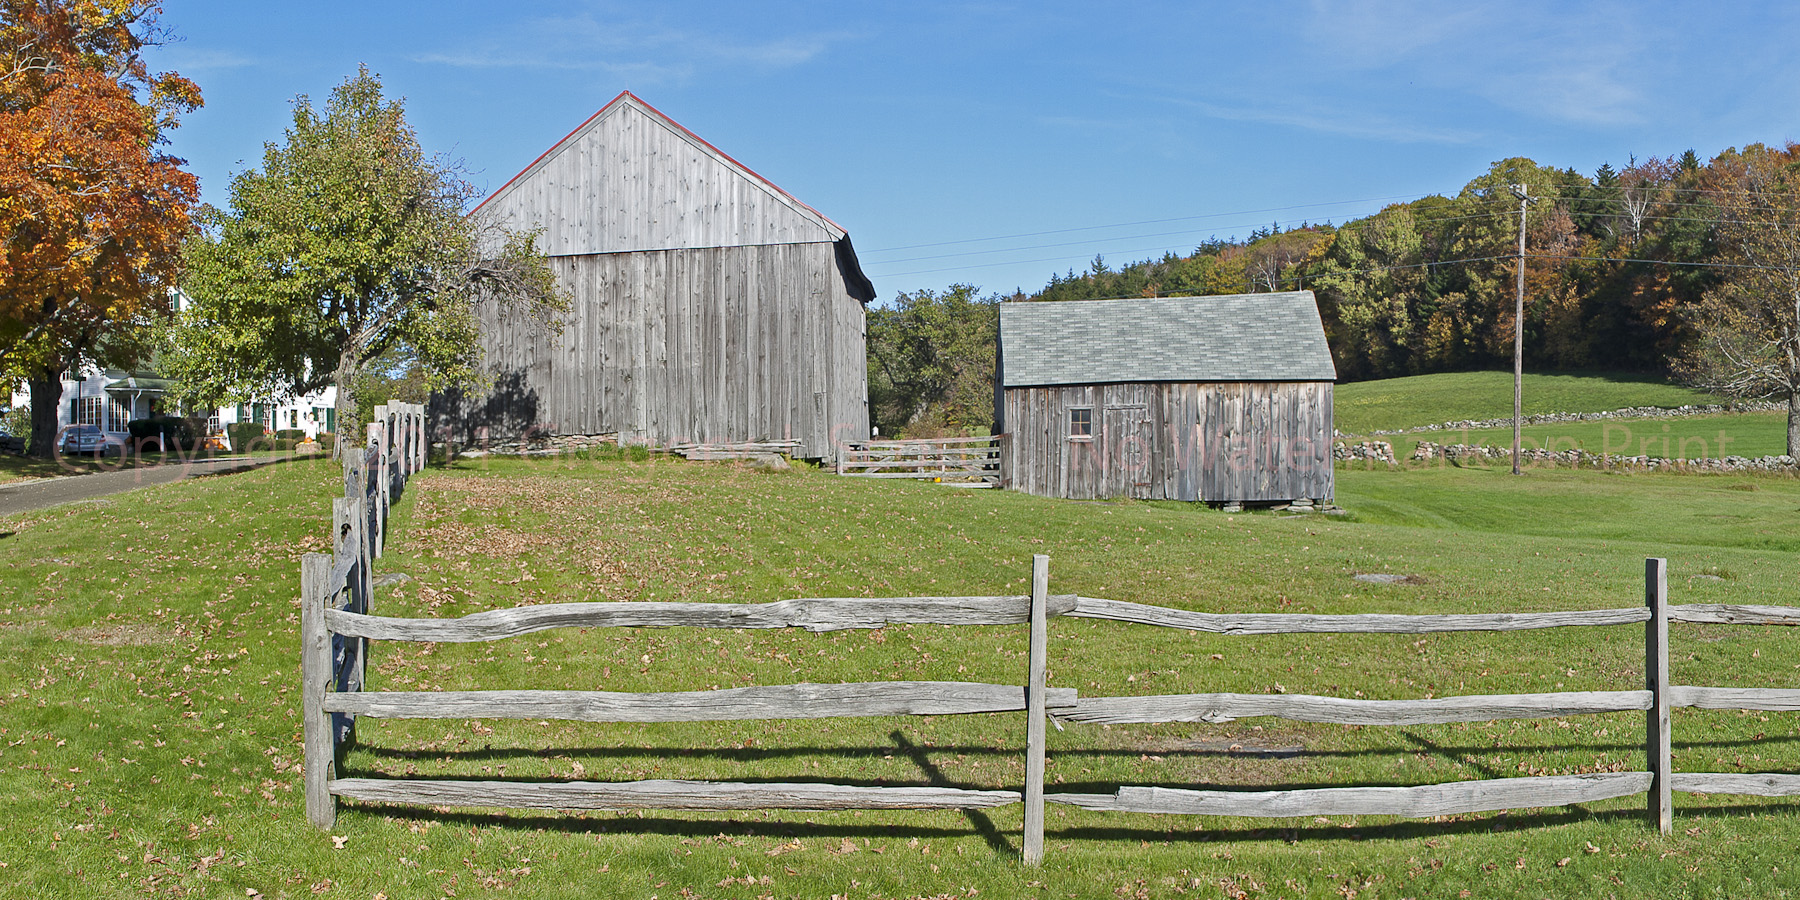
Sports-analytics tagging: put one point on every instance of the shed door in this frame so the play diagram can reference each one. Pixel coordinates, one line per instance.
(1125, 459)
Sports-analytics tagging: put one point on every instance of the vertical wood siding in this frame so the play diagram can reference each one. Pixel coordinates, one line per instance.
(1243, 441)
(632, 182)
(666, 347)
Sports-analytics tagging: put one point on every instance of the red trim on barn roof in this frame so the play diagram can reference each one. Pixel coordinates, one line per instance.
(677, 125)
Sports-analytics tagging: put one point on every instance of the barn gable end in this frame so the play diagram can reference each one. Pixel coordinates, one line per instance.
(631, 178)
(708, 305)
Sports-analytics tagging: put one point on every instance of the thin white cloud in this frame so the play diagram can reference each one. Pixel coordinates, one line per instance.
(1377, 33)
(645, 52)
(645, 72)
(1346, 122)
(186, 59)
(1579, 65)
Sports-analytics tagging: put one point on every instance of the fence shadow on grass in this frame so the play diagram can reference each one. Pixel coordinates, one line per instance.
(704, 824)
(1397, 830)
(983, 825)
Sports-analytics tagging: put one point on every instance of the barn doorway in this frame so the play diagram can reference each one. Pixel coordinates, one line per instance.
(1125, 455)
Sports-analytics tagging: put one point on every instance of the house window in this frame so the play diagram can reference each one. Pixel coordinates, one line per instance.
(1081, 424)
(88, 411)
(117, 414)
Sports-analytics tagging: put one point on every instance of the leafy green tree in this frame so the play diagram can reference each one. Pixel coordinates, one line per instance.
(931, 362)
(1375, 290)
(348, 245)
(1748, 327)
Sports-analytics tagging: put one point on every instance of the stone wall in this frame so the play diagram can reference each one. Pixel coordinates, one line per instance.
(1428, 451)
(1631, 412)
(1371, 451)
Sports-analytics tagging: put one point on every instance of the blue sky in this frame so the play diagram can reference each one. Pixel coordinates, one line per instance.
(1018, 140)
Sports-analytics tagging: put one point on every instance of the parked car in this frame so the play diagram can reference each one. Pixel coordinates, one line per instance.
(89, 440)
(11, 443)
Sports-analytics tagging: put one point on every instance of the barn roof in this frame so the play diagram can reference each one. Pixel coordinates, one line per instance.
(1233, 337)
(630, 178)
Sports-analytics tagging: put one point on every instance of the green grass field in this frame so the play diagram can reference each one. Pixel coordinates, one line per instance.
(1435, 399)
(1688, 437)
(151, 738)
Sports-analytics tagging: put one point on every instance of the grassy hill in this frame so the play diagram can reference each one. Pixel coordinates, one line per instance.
(1433, 399)
(150, 733)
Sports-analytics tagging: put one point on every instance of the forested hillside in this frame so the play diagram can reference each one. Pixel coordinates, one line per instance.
(1668, 265)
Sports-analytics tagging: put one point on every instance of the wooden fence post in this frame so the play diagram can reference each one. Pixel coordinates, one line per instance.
(320, 755)
(377, 486)
(1656, 677)
(413, 416)
(353, 471)
(386, 489)
(1035, 724)
(365, 548)
(420, 445)
(391, 450)
(347, 527)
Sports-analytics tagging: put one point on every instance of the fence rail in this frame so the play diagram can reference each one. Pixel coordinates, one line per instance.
(969, 462)
(812, 614)
(325, 620)
(1283, 623)
(1424, 801)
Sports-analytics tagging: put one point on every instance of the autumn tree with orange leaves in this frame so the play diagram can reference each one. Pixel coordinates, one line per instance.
(92, 211)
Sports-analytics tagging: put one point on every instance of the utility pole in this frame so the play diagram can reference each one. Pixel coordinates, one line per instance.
(1519, 191)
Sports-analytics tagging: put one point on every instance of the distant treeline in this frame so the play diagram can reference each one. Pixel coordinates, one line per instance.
(1616, 264)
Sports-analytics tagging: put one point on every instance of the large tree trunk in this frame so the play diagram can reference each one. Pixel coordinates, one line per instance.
(1793, 443)
(46, 396)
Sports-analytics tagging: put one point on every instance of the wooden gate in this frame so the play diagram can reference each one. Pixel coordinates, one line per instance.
(964, 462)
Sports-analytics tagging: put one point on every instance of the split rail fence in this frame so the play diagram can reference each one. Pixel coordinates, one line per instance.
(326, 618)
(965, 462)
(374, 476)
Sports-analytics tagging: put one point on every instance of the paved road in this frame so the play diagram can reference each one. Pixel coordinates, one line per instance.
(29, 495)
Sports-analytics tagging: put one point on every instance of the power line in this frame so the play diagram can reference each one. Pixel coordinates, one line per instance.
(1422, 220)
(1511, 256)
(1339, 228)
(1246, 212)
(1363, 271)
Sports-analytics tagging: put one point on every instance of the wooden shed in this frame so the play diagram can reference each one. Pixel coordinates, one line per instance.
(709, 305)
(1222, 399)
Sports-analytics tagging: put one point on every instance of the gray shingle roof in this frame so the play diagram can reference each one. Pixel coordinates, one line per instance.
(1234, 337)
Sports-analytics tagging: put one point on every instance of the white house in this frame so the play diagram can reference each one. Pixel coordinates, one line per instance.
(315, 413)
(110, 398)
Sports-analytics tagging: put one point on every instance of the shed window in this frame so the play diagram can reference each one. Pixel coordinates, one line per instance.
(1081, 423)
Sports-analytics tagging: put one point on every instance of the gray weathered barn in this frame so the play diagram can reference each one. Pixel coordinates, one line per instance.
(709, 305)
(1221, 399)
